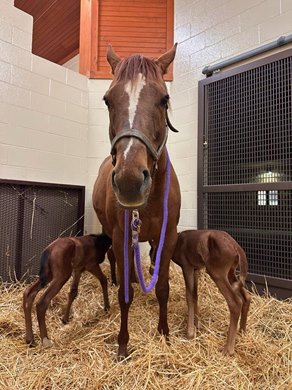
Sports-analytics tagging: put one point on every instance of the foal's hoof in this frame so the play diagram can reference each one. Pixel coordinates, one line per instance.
(47, 343)
(65, 320)
(227, 351)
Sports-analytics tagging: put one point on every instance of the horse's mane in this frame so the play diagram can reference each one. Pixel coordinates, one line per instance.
(129, 68)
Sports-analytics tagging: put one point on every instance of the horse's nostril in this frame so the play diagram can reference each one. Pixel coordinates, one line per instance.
(146, 174)
(113, 179)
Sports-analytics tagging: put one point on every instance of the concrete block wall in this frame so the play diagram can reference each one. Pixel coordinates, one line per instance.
(43, 109)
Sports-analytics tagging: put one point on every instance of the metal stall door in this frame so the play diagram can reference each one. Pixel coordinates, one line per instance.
(245, 170)
(31, 216)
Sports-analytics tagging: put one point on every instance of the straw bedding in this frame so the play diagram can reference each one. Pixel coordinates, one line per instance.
(84, 351)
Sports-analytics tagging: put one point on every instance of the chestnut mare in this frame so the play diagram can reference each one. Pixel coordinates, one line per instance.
(135, 176)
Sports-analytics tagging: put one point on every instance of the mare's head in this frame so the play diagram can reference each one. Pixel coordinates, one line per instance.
(137, 102)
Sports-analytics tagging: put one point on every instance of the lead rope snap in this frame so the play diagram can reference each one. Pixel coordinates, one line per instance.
(135, 227)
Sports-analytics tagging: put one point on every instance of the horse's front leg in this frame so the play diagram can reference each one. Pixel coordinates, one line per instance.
(123, 337)
(162, 285)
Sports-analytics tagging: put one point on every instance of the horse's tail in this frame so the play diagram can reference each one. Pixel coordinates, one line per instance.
(43, 274)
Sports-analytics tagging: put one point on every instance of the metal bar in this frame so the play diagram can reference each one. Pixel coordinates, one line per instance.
(19, 236)
(283, 185)
(201, 126)
(281, 41)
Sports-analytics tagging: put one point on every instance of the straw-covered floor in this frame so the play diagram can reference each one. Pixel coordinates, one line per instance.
(84, 353)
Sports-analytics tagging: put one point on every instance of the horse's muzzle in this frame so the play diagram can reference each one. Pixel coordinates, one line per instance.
(132, 190)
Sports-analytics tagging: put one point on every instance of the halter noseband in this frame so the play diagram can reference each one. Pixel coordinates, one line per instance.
(144, 139)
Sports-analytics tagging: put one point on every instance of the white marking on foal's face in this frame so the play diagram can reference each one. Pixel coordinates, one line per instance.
(134, 95)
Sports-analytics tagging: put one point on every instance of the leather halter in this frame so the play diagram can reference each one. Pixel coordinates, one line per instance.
(144, 139)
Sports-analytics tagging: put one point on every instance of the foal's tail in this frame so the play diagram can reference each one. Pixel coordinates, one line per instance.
(237, 250)
(242, 265)
(43, 274)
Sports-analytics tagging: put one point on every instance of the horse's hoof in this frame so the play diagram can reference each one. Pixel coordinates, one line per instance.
(107, 308)
(190, 336)
(65, 320)
(122, 354)
(31, 343)
(47, 343)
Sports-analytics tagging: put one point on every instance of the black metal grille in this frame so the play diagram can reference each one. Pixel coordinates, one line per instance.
(245, 162)
(265, 232)
(248, 129)
(31, 216)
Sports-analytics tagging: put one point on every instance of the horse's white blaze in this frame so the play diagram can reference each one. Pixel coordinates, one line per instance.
(134, 94)
(128, 148)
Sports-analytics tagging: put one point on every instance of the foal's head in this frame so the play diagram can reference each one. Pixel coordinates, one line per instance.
(137, 101)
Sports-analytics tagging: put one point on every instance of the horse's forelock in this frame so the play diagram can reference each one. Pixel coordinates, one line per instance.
(129, 68)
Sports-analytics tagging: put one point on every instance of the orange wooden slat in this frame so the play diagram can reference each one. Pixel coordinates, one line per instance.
(131, 27)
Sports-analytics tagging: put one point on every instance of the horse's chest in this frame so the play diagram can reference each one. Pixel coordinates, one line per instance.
(150, 228)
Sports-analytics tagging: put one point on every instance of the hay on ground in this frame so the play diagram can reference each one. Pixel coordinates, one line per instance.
(84, 351)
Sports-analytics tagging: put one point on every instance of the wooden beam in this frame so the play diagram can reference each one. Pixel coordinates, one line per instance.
(88, 37)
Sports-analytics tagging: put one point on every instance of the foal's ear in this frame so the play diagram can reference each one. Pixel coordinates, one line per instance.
(112, 58)
(166, 59)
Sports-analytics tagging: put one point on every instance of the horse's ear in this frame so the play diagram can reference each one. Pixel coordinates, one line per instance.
(166, 59)
(112, 58)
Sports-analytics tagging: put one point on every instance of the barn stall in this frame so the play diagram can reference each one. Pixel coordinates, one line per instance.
(54, 137)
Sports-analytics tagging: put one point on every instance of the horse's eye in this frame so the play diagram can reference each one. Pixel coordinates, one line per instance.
(164, 100)
(106, 101)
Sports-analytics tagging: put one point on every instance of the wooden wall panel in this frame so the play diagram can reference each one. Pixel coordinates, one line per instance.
(131, 27)
(56, 27)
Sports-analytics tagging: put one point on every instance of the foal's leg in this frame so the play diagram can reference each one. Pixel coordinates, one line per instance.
(43, 304)
(245, 308)
(112, 261)
(191, 298)
(71, 296)
(244, 294)
(234, 303)
(95, 270)
(29, 295)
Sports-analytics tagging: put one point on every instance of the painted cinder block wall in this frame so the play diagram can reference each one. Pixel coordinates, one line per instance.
(54, 125)
(43, 109)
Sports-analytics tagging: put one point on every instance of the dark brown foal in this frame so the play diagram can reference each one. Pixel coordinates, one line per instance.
(220, 254)
(62, 257)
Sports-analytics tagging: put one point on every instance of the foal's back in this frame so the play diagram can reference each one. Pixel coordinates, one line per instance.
(79, 251)
(199, 247)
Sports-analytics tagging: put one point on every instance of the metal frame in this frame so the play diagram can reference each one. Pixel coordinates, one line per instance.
(22, 185)
(280, 287)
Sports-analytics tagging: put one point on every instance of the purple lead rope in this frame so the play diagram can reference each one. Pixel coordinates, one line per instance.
(137, 254)
(126, 256)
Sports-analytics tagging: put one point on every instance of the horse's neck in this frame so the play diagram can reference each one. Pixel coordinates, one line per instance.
(159, 177)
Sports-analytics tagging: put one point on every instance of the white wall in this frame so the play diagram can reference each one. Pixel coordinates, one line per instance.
(54, 125)
(209, 31)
